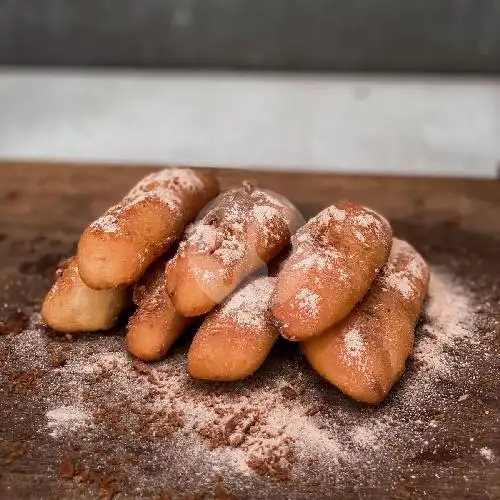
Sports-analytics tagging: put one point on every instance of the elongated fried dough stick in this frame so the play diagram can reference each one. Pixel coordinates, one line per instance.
(155, 325)
(118, 247)
(365, 354)
(71, 306)
(244, 229)
(335, 258)
(236, 337)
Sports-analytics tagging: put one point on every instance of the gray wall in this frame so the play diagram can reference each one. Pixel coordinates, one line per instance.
(345, 35)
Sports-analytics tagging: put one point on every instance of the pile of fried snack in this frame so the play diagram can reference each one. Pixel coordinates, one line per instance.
(339, 284)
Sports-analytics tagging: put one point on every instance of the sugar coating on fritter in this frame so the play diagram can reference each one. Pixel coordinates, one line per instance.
(237, 336)
(365, 354)
(223, 232)
(155, 325)
(403, 270)
(248, 305)
(334, 259)
(117, 248)
(243, 230)
(166, 187)
(313, 245)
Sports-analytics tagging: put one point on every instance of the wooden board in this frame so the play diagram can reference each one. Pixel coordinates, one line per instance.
(454, 223)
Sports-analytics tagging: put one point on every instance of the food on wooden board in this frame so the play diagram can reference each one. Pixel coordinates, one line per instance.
(334, 260)
(365, 354)
(236, 337)
(117, 248)
(155, 325)
(71, 306)
(244, 229)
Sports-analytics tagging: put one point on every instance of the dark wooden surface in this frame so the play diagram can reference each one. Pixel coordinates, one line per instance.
(313, 35)
(43, 209)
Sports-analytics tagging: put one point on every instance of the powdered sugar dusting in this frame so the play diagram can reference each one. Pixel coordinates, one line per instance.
(265, 213)
(238, 222)
(401, 283)
(450, 320)
(153, 425)
(331, 213)
(368, 219)
(354, 344)
(404, 269)
(65, 419)
(308, 301)
(167, 186)
(249, 303)
(315, 259)
(316, 245)
(108, 223)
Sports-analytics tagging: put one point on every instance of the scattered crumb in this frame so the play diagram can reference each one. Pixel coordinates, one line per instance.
(67, 468)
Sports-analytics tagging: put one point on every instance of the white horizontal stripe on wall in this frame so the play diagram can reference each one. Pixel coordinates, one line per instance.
(348, 124)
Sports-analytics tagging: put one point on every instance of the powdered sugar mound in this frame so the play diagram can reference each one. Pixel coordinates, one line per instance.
(65, 419)
(95, 363)
(401, 283)
(331, 213)
(450, 319)
(308, 301)
(247, 306)
(354, 343)
(449, 309)
(487, 453)
(265, 213)
(368, 436)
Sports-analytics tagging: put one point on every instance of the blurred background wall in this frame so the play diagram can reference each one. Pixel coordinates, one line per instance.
(364, 85)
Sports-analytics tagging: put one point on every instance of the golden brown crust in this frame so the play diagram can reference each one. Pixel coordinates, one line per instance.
(365, 354)
(71, 306)
(155, 325)
(243, 231)
(118, 247)
(236, 337)
(335, 258)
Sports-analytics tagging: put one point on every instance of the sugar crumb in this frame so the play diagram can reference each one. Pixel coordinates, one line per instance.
(487, 453)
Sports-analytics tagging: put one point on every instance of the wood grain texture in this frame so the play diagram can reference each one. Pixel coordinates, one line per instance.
(44, 207)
